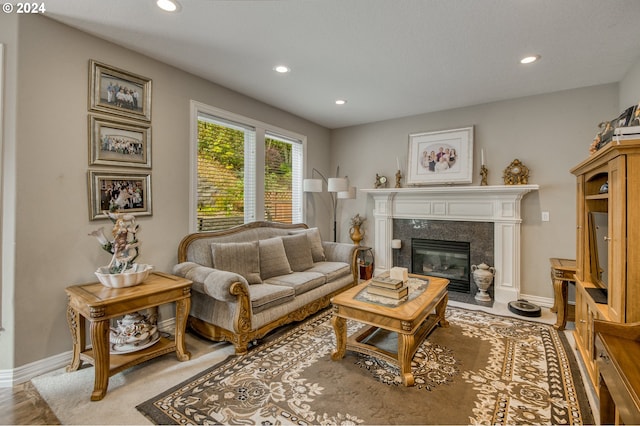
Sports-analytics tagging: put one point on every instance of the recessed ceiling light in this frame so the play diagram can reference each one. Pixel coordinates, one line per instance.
(340, 102)
(530, 59)
(168, 5)
(282, 69)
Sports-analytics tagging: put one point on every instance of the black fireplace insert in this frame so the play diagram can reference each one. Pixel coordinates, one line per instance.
(446, 259)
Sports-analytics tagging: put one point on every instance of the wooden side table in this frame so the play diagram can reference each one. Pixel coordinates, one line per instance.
(99, 304)
(562, 273)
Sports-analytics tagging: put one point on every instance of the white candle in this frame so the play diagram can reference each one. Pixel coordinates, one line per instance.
(482, 156)
(398, 163)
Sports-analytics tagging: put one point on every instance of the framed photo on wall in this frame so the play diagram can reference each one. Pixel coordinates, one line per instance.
(126, 192)
(116, 91)
(119, 143)
(440, 157)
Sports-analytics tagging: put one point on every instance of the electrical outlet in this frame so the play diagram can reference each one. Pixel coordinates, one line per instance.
(545, 216)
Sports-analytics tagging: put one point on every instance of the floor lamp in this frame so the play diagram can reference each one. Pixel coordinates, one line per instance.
(337, 187)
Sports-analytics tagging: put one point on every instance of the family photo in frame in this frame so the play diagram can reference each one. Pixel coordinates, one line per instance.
(124, 192)
(440, 157)
(119, 142)
(116, 91)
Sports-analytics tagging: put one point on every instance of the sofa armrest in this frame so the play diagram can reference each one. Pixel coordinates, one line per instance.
(338, 252)
(216, 283)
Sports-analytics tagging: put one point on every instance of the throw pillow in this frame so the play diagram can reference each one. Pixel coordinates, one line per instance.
(241, 258)
(315, 240)
(273, 258)
(298, 252)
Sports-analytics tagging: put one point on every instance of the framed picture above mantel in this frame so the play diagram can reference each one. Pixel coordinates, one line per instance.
(440, 157)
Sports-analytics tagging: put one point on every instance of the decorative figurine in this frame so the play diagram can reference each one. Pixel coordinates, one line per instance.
(398, 177)
(483, 172)
(122, 271)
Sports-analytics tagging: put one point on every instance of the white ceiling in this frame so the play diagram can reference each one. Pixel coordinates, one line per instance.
(388, 58)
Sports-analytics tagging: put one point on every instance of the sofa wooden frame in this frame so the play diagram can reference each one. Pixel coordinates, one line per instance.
(242, 334)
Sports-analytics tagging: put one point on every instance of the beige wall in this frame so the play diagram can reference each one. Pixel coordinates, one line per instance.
(52, 247)
(630, 88)
(548, 133)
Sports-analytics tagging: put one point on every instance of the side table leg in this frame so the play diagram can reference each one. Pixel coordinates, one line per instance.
(406, 344)
(560, 296)
(182, 312)
(77, 328)
(100, 341)
(340, 328)
(554, 308)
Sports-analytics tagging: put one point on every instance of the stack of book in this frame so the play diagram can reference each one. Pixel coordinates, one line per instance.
(387, 287)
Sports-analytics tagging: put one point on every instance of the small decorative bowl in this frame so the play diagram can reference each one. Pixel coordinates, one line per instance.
(132, 277)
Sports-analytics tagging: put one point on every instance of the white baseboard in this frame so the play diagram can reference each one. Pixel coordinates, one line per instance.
(544, 302)
(24, 373)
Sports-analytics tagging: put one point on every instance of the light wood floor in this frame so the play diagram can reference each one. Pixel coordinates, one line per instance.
(23, 405)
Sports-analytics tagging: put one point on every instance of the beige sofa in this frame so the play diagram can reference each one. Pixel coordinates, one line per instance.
(252, 278)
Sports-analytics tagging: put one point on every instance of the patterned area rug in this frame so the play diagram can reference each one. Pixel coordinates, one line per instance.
(483, 369)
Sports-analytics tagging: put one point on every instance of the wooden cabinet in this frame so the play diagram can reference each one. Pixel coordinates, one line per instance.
(607, 242)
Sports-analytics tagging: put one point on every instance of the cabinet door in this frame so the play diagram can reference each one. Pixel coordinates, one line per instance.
(617, 264)
(580, 229)
(581, 317)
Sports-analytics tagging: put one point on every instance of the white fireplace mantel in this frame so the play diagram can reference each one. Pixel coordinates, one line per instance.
(499, 204)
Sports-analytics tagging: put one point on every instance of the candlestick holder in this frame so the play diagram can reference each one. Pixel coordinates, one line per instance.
(483, 172)
(398, 178)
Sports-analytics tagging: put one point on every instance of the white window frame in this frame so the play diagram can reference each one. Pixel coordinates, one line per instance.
(261, 130)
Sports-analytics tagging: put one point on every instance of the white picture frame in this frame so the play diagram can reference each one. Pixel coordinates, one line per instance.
(440, 157)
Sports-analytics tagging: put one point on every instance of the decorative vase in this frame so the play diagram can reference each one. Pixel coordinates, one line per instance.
(483, 276)
(355, 234)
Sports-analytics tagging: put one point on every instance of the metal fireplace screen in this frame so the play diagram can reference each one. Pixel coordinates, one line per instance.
(446, 259)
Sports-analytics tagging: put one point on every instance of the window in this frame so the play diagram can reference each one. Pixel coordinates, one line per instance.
(239, 180)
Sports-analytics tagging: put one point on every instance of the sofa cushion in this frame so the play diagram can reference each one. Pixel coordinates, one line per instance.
(298, 252)
(241, 258)
(264, 296)
(273, 258)
(315, 240)
(332, 270)
(301, 282)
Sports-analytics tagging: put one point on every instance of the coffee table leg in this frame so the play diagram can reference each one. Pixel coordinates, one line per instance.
(406, 344)
(100, 341)
(441, 309)
(340, 328)
(182, 313)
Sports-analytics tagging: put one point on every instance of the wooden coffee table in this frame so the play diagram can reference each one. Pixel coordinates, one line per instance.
(99, 304)
(412, 320)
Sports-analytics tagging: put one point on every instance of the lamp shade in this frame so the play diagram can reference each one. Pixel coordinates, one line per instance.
(396, 244)
(350, 194)
(338, 184)
(312, 185)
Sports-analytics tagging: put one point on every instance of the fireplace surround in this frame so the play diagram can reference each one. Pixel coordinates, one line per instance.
(497, 204)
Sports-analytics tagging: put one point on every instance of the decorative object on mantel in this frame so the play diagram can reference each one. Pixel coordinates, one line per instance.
(355, 233)
(516, 173)
(483, 277)
(134, 332)
(398, 178)
(483, 170)
(122, 271)
(483, 173)
(381, 181)
(441, 157)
